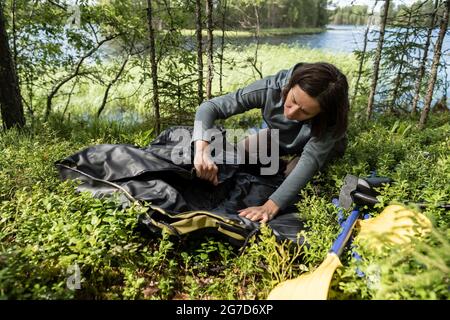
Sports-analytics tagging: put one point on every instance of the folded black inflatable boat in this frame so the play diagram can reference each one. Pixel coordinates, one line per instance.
(177, 200)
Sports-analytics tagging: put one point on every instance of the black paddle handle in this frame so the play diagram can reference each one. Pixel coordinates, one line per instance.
(361, 199)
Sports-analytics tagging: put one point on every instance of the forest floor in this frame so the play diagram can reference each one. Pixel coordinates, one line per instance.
(47, 229)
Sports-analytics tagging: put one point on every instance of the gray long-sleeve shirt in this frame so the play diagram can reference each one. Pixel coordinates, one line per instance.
(294, 136)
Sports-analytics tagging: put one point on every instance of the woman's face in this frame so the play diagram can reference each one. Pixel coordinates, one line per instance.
(299, 105)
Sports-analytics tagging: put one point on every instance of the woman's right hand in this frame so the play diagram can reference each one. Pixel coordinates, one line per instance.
(205, 167)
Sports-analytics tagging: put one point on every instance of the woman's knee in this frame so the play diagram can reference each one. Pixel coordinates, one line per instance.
(253, 144)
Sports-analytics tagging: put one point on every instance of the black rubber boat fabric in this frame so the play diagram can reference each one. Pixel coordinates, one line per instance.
(177, 200)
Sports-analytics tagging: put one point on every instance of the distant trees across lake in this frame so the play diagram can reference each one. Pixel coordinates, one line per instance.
(360, 14)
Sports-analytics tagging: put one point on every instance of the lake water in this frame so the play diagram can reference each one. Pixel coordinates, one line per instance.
(336, 38)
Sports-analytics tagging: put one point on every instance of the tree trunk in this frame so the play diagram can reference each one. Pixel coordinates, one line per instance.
(109, 86)
(400, 67)
(14, 32)
(154, 67)
(423, 64)
(209, 27)
(435, 65)
(68, 99)
(257, 32)
(376, 64)
(222, 45)
(29, 86)
(77, 72)
(198, 14)
(10, 98)
(361, 63)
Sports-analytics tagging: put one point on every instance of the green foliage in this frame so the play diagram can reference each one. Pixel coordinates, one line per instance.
(250, 275)
(178, 88)
(321, 225)
(280, 13)
(422, 272)
(358, 14)
(354, 15)
(406, 41)
(53, 231)
(416, 271)
(46, 228)
(129, 103)
(418, 162)
(67, 67)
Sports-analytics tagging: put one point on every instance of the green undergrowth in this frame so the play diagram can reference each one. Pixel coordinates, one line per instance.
(51, 236)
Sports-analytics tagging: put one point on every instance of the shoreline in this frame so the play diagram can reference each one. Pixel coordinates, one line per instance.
(270, 32)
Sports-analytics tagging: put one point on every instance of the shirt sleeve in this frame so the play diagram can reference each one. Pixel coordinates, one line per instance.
(244, 99)
(311, 160)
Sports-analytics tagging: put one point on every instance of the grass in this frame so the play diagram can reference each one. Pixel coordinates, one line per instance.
(237, 72)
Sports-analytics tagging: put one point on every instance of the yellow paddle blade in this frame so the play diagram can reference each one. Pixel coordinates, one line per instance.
(396, 225)
(311, 286)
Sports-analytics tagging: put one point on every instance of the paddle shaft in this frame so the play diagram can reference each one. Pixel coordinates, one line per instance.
(341, 241)
(315, 285)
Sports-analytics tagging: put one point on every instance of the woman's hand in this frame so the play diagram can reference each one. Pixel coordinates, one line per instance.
(263, 213)
(205, 167)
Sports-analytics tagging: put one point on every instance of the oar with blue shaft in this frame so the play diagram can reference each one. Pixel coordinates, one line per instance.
(315, 285)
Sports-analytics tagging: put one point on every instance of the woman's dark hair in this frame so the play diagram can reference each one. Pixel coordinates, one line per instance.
(329, 86)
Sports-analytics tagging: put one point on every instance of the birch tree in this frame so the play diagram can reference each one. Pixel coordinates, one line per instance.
(198, 31)
(209, 49)
(424, 60)
(434, 67)
(363, 52)
(376, 64)
(154, 67)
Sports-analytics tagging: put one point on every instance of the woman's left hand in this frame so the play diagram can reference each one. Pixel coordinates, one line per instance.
(262, 213)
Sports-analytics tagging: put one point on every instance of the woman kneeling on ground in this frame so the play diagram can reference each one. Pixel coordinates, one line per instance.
(308, 104)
